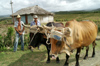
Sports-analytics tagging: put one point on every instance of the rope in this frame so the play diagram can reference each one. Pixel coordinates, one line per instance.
(66, 42)
(34, 35)
(48, 36)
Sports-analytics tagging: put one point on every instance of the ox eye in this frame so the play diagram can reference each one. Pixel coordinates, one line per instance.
(58, 43)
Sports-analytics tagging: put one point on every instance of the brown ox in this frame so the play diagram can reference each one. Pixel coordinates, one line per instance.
(77, 35)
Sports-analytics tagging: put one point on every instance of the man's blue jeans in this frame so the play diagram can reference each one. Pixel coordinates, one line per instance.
(16, 42)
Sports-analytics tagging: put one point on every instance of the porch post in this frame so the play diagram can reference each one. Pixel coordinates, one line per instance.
(26, 19)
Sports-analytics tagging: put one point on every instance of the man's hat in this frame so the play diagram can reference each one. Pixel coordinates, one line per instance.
(35, 16)
(18, 16)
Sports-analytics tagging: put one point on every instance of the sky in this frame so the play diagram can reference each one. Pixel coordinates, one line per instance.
(49, 5)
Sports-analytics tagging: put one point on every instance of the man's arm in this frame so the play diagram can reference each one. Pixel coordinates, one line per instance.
(23, 29)
(17, 30)
(15, 26)
(20, 33)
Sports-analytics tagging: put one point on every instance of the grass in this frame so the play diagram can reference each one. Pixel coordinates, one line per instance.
(36, 58)
(88, 16)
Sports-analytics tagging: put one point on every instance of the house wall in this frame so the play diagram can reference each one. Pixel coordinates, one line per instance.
(30, 18)
(42, 19)
(50, 18)
(46, 19)
(23, 19)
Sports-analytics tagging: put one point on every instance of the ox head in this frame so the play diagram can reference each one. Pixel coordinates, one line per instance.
(37, 40)
(58, 40)
(38, 36)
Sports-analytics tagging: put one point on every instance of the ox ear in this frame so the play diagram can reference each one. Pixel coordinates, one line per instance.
(68, 31)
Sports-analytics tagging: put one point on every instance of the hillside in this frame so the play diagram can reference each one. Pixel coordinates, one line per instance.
(92, 15)
(4, 16)
(79, 12)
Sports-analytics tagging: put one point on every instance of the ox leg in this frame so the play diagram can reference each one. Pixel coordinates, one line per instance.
(66, 62)
(48, 51)
(93, 54)
(87, 49)
(77, 56)
(57, 60)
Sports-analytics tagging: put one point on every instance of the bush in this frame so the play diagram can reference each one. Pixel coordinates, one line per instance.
(2, 45)
(1, 41)
(10, 32)
(98, 28)
(8, 40)
(26, 41)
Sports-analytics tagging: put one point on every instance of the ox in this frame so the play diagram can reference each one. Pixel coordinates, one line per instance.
(75, 35)
(40, 38)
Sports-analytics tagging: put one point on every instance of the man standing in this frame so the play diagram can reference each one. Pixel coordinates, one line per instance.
(34, 22)
(19, 28)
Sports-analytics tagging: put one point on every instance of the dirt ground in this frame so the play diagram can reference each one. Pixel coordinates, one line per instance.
(89, 61)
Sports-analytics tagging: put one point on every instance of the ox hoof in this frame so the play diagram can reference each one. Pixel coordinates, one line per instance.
(47, 61)
(77, 65)
(65, 65)
(85, 58)
(93, 56)
(57, 61)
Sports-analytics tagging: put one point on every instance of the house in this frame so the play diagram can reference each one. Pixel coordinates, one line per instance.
(28, 13)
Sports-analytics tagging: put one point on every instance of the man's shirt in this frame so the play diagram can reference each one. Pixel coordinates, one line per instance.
(33, 23)
(16, 25)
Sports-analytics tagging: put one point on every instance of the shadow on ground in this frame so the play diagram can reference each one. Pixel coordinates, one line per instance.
(37, 59)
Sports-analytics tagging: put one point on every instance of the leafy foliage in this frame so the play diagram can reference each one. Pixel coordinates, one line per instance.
(1, 41)
(27, 40)
(10, 32)
(8, 39)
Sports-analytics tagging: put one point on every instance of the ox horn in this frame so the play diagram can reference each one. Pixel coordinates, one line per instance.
(46, 27)
(34, 26)
(40, 27)
(27, 26)
(59, 28)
